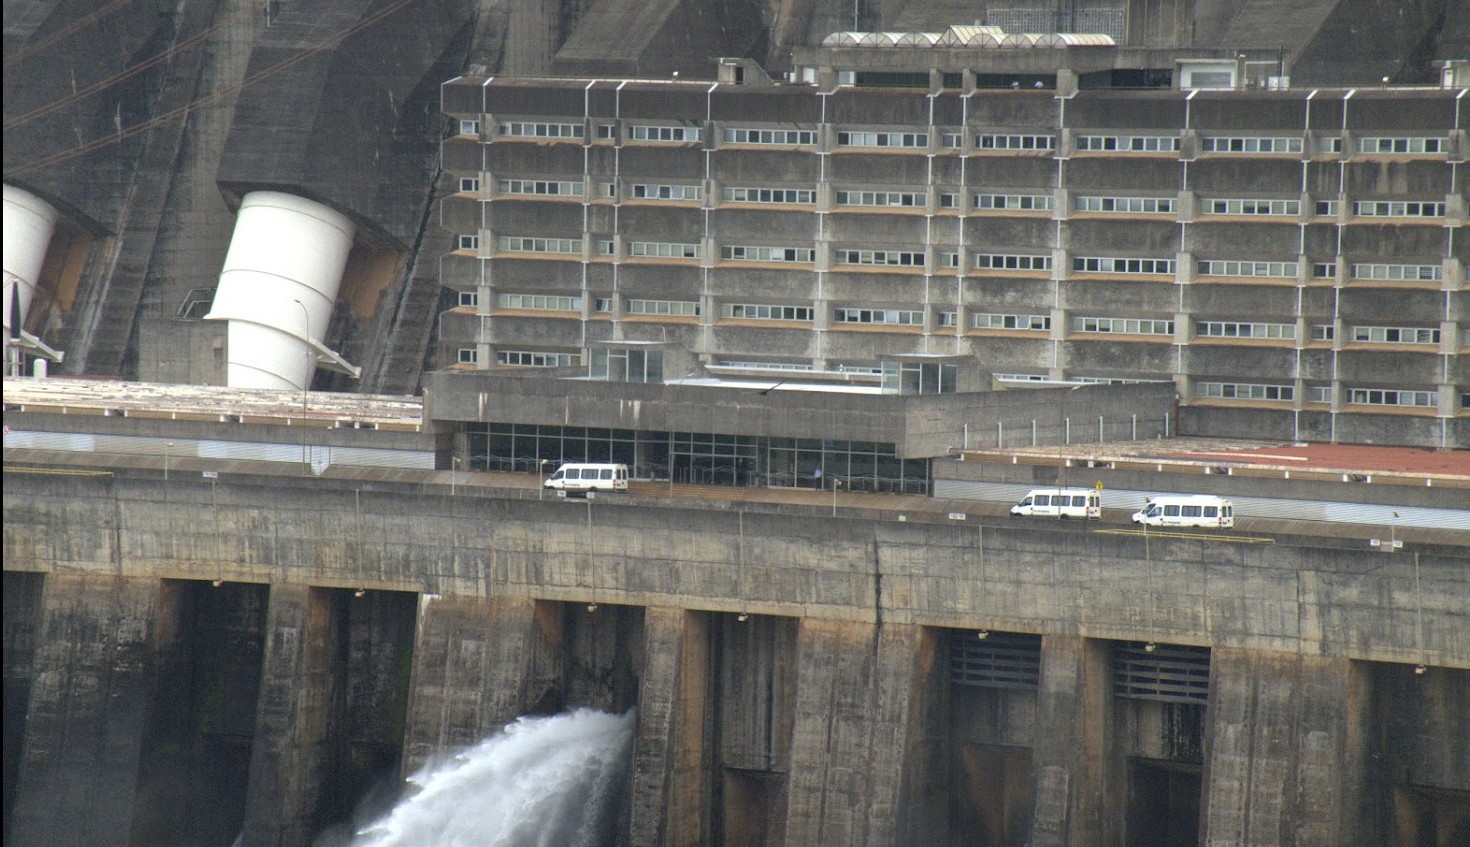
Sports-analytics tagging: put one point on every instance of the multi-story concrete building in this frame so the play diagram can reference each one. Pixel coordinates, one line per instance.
(1290, 259)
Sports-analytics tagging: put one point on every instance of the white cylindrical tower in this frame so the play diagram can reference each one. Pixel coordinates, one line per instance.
(29, 223)
(278, 287)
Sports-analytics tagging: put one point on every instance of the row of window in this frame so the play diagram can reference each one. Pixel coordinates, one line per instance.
(979, 261)
(989, 320)
(1009, 202)
(1251, 145)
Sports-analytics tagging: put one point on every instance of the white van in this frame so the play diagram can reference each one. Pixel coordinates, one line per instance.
(1186, 510)
(1060, 503)
(587, 478)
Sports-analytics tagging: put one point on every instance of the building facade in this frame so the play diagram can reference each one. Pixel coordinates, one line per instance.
(1290, 259)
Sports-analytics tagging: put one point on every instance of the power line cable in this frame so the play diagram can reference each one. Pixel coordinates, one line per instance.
(61, 34)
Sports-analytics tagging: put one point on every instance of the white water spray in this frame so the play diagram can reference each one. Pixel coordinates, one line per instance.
(540, 782)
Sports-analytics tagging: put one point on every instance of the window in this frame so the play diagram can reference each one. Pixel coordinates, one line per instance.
(677, 308)
(1269, 144)
(762, 312)
(746, 253)
(805, 196)
(1130, 326)
(882, 198)
(469, 184)
(1014, 202)
(1128, 143)
(1244, 391)
(996, 321)
(1398, 209)
(662, 250)
(1015, 142)
(468, 356)
(1131, 205)
(1389, 397)
(536, 359)
(882, 139)
(1323, 332)
(946, 259)
(1319, 394)
(469, 127)
(1324, 270)
(648, 191)
(541, 187)
(1230, 329)
(1254, 207)
(677, 134)
(525, 129)
(888, 317)
(762, 366)
(623, 365)
(1373, 144)
(1234, 268)
(1007, 262)
(519, 244)
(1397, 272)
(1090, 264)
(919, 377)
(1396, 334)
(1326, 208)
(602, 305)
(607, 132)
(539, 302)
(1329, 145)
(946, 319)
(469, 242)
(794, 137)
(606, 247)
(469, 298)
(949, 201)
(951, 140)
(880, 257)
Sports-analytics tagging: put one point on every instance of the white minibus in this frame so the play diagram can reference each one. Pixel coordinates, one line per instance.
(1060, 503)
(1186, 510)
(587, 478)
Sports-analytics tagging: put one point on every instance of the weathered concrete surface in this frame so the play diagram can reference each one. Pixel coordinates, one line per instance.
(1280, 748)
(851, 752)
(87, 712)
(1066, 769)
(670, 787)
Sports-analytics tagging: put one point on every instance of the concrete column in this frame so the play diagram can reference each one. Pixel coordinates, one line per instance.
(292, 717)
(1067, 760)
(88, 709)
(1281, 761)
(670, 783)
(475, 669)
(852, 751)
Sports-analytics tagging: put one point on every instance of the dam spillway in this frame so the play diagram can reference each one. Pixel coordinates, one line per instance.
(799, 678)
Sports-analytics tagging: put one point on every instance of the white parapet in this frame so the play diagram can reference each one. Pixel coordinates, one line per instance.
(29, 223)
(278, 287)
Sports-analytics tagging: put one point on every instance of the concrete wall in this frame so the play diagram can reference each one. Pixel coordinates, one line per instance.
(858, 755)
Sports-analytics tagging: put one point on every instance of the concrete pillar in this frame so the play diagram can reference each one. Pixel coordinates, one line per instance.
(291, 727)
(1067, 760)
(670, 783)
(88, 709)
(853, 742)
(1281, 759)
(478, 664)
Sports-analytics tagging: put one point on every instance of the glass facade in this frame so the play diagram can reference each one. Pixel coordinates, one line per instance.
(700, 458)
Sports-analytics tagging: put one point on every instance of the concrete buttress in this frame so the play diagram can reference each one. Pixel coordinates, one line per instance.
(1067, 764)
(87, 710)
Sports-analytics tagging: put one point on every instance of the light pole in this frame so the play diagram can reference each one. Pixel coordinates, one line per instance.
(305, 377)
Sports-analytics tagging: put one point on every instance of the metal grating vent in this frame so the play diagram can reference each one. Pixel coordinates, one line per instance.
(1000, 660)
(1107, 21)
(1170, 674)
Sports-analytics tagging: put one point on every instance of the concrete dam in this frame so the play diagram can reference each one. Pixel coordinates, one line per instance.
(192, 655)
